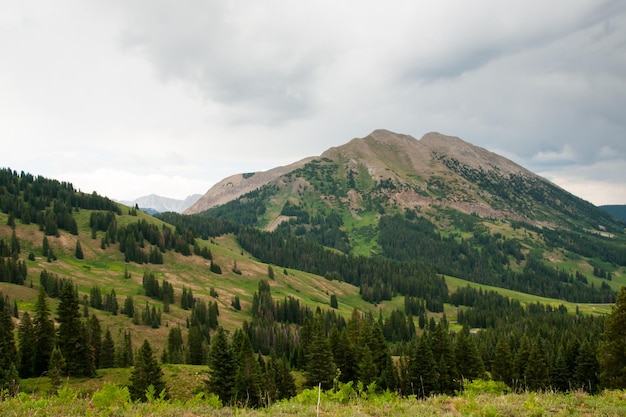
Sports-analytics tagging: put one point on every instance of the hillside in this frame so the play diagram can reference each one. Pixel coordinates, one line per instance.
(364, 259)
(441, 201)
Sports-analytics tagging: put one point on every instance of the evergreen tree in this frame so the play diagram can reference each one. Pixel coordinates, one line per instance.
(502, 365)
(78, 251)
(320, 367)
(521, 362)
(586, 371)
(443, 352)
(27, 341)
(470, 365)
(196, 351)
(536, 373)
(45, 248)
(44, 331)
(72, 335)
(129, 307)
(107, 351)
(247, 388)
(146, 372)
(94, 338)
(124, 351)
(8, 353)
(559, 372)
(175, 346)
(367, 371)
(333, 301)
(221, 366)
(56, 367)
(344, 354)
(612, 351)
(422, 368)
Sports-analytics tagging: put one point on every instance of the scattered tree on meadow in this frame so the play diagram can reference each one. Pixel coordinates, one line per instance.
(56, 369)
(146, 372)
(72, 334)
(45, 335)
(27, 342)
(78, 251)
(222, 366)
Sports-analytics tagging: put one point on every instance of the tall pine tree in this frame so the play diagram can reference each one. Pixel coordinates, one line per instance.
(320, 368)
(147, 372)
(43, 328)
(221, 367)
(72, 333)
(612, 352)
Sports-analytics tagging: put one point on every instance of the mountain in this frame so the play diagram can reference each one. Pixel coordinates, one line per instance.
(386, 171)
(156, 204)
(377, 240)
(237, 185)
(616, 210)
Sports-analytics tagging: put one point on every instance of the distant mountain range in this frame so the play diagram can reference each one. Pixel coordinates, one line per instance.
(157, 204)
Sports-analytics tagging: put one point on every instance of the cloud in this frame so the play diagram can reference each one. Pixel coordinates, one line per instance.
(601, 183)
(204, 89)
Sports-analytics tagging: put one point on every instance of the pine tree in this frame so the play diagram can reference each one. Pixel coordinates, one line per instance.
(559, 372)
(333, 301)
(94, 338)
(320, 368)
(72, 335)
(8, 352)
(521, 361)
(146, 372)
(502, 365)
(45, 248)
(422, 368)
(107, 351)
(536, 373)
(43, 328)
(586, 371)
(27, 342)
(443, 352)
(612, 351)
(367, 371)
(78, 251)
(470, 365)
(221, 366)
(175, 346)
(56, 366)
(196, 351)
(247, 388)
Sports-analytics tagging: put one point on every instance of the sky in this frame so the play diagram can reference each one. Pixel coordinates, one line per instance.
(130, 98)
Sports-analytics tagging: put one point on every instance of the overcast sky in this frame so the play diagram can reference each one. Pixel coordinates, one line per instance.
(130, 98)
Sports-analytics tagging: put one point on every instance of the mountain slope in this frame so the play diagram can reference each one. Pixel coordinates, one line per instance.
(239, 184)
(458, 208)
(386, 170)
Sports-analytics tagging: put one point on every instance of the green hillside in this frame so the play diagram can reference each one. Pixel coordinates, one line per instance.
(368, 292)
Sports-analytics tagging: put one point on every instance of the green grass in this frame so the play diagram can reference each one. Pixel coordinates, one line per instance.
(454, 283)
(109, 399)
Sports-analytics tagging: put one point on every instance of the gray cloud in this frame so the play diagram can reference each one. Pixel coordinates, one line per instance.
(183, 94)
